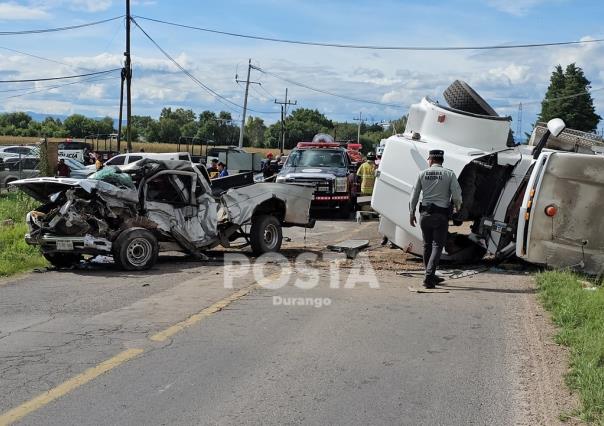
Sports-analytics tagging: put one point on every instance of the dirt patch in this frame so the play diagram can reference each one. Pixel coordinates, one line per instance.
(539, 363)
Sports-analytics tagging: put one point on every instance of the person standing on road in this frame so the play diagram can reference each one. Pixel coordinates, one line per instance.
(63, 169)
(439, 186)
(366, 173)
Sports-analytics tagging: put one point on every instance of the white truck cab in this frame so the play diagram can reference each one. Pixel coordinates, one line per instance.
(537, 203)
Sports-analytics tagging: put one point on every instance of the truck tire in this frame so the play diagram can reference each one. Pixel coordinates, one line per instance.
(63, 260)
(135, 249)
(461, 96)
(265, 234)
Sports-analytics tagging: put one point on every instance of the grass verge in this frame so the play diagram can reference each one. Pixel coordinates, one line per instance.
(580, 315)
(15, 255)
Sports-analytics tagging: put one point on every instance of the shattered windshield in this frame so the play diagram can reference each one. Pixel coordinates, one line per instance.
(316, 158)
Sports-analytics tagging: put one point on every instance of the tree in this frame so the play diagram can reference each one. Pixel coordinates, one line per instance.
(77, 125)
(568, 98)
(301, 125)
(104, 126)
(255, 129)
(179, 115)
(169, 131)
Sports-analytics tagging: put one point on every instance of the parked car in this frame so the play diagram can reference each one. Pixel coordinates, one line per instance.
(326, 166)
(122, 160)
(540, 204)
(15, 168)
(153, 206)
(17, 150)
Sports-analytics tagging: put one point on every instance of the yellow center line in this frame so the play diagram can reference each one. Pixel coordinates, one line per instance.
(212, 309)
(64, 388)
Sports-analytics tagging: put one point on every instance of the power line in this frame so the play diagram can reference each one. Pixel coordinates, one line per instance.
(51, 30)
(325, 92)
(60, 78)
(371, 47)
(31, 55)
(92, 79)
(217, 95)
(559, 98)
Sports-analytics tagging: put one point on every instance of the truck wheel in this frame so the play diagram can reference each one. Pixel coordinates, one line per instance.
(265, 234)
(135, 249)
(461, 96)
(63, 260)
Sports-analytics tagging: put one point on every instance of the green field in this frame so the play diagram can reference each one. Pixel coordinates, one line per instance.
(15, 255)
(136, 146)
(579, 312)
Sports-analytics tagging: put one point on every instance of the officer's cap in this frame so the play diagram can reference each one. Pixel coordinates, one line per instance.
(436, 153)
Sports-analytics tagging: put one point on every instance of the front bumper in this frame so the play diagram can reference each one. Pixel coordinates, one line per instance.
(330, 201)
(87, 244)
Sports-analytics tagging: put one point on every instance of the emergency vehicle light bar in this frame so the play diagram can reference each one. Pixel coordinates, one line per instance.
(317, 145)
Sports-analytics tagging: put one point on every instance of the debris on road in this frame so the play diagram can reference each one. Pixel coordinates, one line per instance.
(350, 247)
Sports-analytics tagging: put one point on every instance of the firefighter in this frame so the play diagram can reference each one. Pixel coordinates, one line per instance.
(366, 173)
(439, 186)
(268, 167)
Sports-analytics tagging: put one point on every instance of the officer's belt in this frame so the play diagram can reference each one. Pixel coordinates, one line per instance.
(432, 208)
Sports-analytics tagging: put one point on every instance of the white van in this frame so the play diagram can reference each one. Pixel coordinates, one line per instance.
(541, 204)
(131, 157)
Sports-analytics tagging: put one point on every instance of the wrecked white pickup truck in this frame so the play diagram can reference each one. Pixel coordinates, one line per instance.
(541, 202)
(154, 206)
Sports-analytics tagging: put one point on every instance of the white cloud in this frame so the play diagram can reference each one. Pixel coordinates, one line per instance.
(90, 5)
(515, 7)
(11, 11)
(94, 91)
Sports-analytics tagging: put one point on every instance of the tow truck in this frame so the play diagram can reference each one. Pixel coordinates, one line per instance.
(326, 165)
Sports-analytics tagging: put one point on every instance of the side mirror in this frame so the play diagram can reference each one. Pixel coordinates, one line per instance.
(556, 126)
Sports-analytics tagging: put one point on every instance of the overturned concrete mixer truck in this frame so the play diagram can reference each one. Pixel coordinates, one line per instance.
(541, 202)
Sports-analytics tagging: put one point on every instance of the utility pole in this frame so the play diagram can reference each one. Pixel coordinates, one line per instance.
(119, 124)
(361, 120)
(247, 89)
(284, 104)
(519, 124)
(128, 67)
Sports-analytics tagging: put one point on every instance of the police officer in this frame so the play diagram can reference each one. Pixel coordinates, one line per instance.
(439, 187)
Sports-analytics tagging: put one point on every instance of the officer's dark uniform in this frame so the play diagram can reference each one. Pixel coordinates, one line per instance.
(439, 186)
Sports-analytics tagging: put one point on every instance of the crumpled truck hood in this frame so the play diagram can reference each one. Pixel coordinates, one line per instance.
(241, 202)
(43, 187)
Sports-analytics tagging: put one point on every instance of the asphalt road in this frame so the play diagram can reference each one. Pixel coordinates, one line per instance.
(376, 354)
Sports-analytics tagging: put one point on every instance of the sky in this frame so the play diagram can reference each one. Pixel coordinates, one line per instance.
(503, 77)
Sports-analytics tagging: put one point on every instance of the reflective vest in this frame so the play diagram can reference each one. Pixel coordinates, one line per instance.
(367, 174)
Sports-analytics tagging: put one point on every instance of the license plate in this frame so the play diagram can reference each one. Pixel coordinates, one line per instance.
(64, 245)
